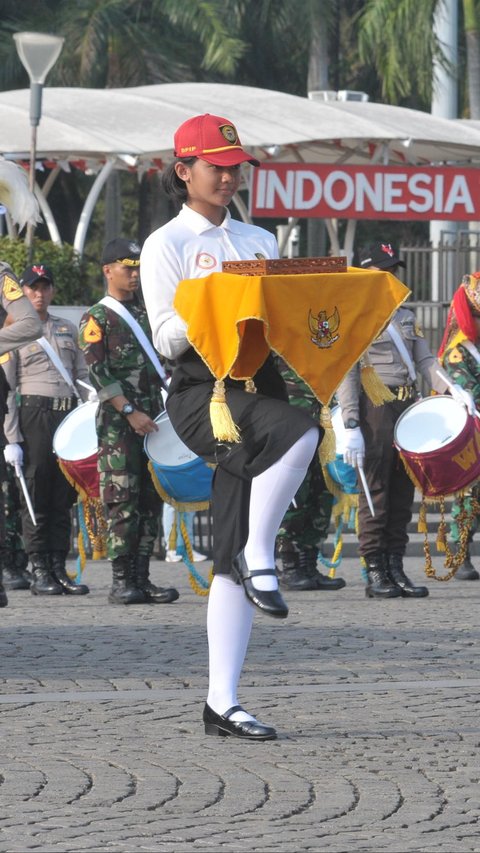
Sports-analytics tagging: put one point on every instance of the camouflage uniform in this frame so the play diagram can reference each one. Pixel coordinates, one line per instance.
(305, 526)
(464, 370)
(118, 365)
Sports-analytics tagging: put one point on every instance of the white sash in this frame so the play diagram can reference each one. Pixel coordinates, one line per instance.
(404, 354)
(472, 350)
(140, 335)
(58, 363)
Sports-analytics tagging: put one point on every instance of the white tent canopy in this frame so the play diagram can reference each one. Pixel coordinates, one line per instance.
(103, 129)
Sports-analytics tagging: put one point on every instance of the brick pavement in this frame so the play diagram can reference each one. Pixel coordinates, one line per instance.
(375, 702)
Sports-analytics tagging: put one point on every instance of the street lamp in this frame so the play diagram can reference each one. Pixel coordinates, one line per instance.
(38, 53)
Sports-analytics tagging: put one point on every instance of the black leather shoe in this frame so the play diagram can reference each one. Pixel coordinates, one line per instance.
(270, 602)
(219, 724)
(160, 594)
(400, 579)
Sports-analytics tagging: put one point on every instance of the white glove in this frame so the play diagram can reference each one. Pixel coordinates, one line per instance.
(13, 454)
(354, 448)
(462, 396)
(92, 396)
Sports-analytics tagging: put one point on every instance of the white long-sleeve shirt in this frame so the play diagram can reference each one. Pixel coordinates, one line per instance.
(190, 246)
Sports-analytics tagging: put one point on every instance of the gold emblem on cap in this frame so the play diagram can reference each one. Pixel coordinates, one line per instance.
(229, 133)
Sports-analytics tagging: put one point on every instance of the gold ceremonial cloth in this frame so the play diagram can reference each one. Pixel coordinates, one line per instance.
(320, 324)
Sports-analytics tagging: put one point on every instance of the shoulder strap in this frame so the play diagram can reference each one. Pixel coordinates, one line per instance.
(397, 339)
(472, 350)
(58, 363)
(140, 335)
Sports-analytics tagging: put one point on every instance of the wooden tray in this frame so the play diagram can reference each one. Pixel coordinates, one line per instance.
(286, 266)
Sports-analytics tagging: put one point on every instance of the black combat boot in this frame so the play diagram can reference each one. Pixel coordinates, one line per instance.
(124, 590)
(15, 574)
(3, 594)
(379, 584)
(59, 572)
(155, 594)
(399, 578)
(43, 582)
(307, 563)
(467, 571)
(289, 574)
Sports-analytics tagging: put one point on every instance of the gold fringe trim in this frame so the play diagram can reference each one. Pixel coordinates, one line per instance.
(250, 386)
(328, 445)
(374, 388)
(224, 428)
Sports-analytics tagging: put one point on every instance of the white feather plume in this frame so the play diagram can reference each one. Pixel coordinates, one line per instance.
(16, 195)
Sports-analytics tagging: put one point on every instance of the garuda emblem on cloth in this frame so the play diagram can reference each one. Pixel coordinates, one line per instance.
(323, 329)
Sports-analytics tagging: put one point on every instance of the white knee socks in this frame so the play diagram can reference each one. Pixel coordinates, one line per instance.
(229, 623)
(271, 495)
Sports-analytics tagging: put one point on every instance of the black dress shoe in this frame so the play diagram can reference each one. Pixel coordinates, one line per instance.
(270, 602)
(221, 725)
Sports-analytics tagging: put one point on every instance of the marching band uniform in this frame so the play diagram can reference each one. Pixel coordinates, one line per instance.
(119, 367)
(460, 356)
(369, 433)
(39, 399)
(256, 478)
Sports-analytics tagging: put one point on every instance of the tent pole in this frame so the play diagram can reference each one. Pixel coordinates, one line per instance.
(88, 207)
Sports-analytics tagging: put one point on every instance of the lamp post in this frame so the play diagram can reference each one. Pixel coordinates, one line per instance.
(38, 53)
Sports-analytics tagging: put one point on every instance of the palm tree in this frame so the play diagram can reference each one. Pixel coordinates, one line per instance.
(399, 36)
(124, 42)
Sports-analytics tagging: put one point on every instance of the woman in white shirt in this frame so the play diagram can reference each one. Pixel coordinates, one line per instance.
(255, 479)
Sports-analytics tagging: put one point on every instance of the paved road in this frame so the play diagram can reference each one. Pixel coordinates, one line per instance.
(376, 703)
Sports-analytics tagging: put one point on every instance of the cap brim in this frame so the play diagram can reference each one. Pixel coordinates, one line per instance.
(390, 264)
(229, 158)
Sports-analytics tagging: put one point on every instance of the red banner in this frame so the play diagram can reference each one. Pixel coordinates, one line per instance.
(365, 192)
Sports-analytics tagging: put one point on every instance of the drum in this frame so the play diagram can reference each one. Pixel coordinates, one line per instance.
(181, 477)
(439, 443)
(75, 444)
(341, 473)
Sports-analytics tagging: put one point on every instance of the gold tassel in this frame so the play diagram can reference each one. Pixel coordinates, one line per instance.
(328, 446)
(224, 429)
(374, 388)
(422, 518)
(441, 537)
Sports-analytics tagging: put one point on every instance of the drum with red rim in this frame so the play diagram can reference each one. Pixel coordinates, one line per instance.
(439, 443)
(76, 446)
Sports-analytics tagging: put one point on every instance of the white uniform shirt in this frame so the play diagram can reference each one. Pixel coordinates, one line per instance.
(190, 246)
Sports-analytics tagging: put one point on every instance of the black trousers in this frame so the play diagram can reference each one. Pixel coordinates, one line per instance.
(390, 487)
(269, 426)
(51, 494)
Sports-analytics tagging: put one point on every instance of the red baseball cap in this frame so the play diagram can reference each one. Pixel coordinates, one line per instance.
(211, 138)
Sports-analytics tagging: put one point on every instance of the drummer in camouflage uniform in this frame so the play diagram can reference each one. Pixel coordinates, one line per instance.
(460, 355)
(129, 392)
(305, 526)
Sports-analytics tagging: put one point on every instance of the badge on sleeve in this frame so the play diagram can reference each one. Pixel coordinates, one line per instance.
(92, 332)
(11, 289)
(4, 358)
(419, 331)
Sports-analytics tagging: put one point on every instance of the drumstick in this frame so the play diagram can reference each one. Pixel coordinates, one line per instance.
(366, 490)
(85, 385)
(19, 473)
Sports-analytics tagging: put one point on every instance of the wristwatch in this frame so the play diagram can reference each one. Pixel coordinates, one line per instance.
(127, 409)
(352, 423)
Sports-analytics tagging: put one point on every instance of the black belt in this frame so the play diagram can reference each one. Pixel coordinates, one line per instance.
(49, 404)
(404, 392)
